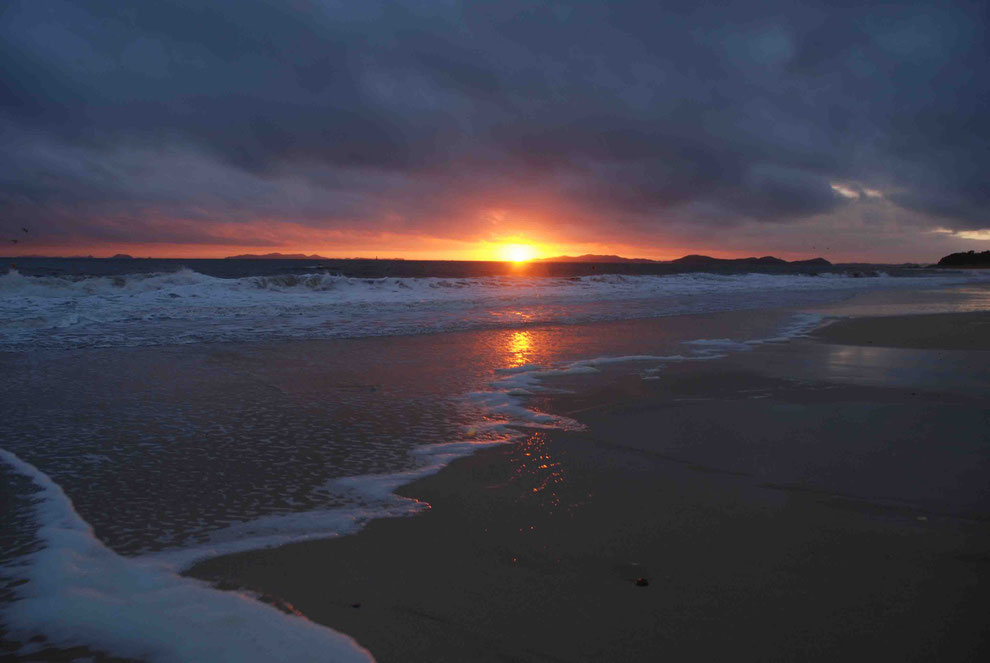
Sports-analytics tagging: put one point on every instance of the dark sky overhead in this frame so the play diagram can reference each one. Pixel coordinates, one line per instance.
(842, 129)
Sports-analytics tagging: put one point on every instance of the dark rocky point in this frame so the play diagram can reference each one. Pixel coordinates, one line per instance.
(967, 259)
(765, 260)
(693, 259)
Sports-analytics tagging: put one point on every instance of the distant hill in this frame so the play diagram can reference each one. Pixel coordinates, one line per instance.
(968, 259)
(812, 262)
(121, 256)
(276, 256)
(693, 260)
(589, 257)
(765, 260)
(708, 260)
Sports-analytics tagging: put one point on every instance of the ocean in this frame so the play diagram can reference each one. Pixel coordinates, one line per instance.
(76, 303)
(156, 413)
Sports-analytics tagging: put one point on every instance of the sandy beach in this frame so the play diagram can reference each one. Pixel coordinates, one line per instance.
(779, 504)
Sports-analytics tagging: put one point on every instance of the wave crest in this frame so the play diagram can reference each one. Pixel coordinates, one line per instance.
(186, 306)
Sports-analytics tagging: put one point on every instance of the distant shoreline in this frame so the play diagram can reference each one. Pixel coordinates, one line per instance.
(688, 260)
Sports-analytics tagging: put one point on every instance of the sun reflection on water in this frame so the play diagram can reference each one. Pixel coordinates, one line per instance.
(519, 345)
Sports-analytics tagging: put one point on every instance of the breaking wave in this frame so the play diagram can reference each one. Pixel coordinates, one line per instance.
(186, 306)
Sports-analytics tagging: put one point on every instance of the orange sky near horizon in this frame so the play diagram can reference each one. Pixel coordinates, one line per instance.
(511, 249)
(539, 226)
(529, 237)
(533, 236)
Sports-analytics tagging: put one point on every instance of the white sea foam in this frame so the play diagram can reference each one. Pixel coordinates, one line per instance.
(508, 392)
(373, 493)
(798, 326)
(705, 348)
(188, 307)
(79, 592)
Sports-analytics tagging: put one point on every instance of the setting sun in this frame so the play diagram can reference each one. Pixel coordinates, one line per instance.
(516, 252)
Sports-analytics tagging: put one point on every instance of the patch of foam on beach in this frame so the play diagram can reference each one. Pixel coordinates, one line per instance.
(282, 529)
(800, 325)
(506, 398)
(715, 348)
(432, 458)
(374, 495)
(76, 591)
(507, 395)
(189, 307)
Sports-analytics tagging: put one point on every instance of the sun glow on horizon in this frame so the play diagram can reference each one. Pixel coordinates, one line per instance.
(516, 252)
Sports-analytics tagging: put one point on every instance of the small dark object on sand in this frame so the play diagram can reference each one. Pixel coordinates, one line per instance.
(634, 572)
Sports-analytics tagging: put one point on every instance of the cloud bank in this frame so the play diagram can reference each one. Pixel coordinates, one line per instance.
(802, 127)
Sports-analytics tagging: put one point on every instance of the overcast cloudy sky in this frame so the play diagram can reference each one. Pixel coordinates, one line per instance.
(430, 128)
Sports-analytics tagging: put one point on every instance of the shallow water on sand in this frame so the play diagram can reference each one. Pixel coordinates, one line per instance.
(163, 447)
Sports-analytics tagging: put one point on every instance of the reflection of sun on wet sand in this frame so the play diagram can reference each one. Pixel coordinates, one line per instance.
(801, 501)
(520, 346)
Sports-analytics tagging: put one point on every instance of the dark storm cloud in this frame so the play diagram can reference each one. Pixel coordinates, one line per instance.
(402, 115)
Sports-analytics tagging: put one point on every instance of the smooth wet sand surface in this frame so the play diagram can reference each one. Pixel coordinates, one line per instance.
(814, 500)
(943, 331)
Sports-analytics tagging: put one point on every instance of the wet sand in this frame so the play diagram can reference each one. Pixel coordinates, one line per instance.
(816, 500)
(943, 331)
